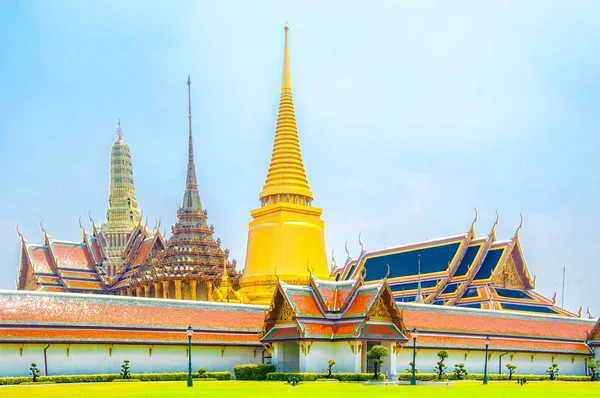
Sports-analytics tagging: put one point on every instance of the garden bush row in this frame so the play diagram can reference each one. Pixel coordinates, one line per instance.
(283, 376)
(99, 378)
(491, 377)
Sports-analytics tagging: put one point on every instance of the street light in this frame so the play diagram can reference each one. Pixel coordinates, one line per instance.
(487, 344)
(413, 379)
(190, 333)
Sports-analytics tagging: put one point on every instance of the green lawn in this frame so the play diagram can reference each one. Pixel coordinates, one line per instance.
(246, 389)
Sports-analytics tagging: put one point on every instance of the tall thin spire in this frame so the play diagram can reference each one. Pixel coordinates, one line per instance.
(191, 197)
(286, 180)
(419, 298)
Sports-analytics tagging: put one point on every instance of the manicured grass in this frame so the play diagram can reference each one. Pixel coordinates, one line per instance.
(247, 389)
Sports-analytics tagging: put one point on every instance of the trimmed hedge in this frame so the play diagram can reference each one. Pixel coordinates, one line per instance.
(491, 377)
(283, 376)
(253, 371)
(107, 378)
(126, 380)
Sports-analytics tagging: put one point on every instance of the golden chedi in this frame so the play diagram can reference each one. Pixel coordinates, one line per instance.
(286, 238)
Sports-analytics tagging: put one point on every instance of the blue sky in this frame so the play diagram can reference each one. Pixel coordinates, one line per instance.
(410, 114)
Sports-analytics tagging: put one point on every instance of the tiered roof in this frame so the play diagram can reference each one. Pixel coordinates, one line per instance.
(63, 266)
(77, 318)
(460, 270)
(192, 250)
(328, 310)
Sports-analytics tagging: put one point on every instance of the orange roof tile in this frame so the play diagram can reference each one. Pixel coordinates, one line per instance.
(359, 305)
(487, 322)
(41, 260)
(67, 309)
(74, 257)
(7, 334)
(305, 304)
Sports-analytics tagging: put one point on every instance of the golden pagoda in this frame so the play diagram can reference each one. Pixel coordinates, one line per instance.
(286, 238)
(122, 214)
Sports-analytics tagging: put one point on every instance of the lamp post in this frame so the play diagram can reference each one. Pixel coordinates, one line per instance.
(487, 344)
(413, 379)
(190, 333)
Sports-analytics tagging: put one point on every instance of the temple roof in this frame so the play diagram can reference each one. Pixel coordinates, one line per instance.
(467, 328)
(327, 310)
(77, 318)
(459, 270)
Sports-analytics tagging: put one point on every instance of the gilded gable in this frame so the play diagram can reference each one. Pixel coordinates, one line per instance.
(286, 312)
(379, 310)
(508, 276)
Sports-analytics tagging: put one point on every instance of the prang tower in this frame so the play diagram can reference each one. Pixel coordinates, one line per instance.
(122, 214)
(286, 238)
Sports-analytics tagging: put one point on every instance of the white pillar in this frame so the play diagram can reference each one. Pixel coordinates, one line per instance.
(389, 367)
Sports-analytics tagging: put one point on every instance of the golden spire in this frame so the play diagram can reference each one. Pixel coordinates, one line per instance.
(286, 179)
(225, 284)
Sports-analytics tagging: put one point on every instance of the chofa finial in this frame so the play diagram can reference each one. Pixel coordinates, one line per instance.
(362, 247)
(520, 225)
(347, 251)
(19, 232)
(119, 131)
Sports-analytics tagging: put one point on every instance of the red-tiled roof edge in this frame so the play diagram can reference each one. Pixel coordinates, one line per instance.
(485, 312)
(125, 299)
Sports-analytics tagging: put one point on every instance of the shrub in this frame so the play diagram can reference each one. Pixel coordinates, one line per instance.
(253, 371)
(592, 366)
(460, 372)
(222, 376)
(125, 371)
(126, 380)
(440, 368)
(511, 369)
(34, 372)
(329, 367)
(553, 371)
(377, 352)
(207, 379)
(409, 369)
(201, 372)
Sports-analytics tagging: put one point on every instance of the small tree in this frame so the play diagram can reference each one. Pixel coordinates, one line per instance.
(125, 371)
(201, 373)
(511, 370)
(34, 372)
(409, 369)
(329, 367)
(592, 366)
(440, 368)
(376, 353)
(553, 371)
(460, 371)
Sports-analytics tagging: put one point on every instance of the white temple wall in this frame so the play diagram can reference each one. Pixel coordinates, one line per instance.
(97, 358)
(475, 362)
(316, 359)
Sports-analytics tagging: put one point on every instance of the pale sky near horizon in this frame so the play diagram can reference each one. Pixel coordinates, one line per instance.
(410, 114)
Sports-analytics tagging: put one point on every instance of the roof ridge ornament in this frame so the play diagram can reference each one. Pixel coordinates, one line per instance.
(19, 232)
(119, 131)
(473, 223)
(493, 233)
(520, 226)
(362, 247)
